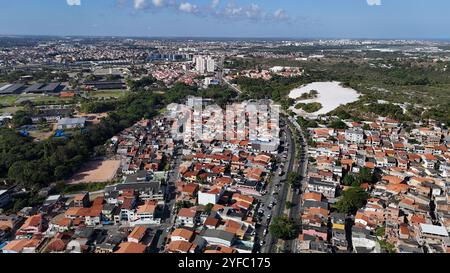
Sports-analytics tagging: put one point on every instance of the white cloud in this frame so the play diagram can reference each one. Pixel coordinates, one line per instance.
(280, 14)
(215, 3)
(253, 12)
(230, 10)
(374, 2)
(73, 2)
(158, 3)
(139, 4)
(188, 7)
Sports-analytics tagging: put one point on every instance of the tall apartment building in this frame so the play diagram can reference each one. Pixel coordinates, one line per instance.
(204, 64)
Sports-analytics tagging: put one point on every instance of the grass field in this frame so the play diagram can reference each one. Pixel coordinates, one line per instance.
(8, 100)
(42, 99)
(12, 109)
(76, 188)
(13, 100)
(109, 94)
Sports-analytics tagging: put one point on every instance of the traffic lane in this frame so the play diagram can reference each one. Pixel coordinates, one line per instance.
(278, 209)
(274, 196)
(269, 204)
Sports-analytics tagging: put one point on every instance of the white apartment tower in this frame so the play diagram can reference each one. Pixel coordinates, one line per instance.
(210, 65)
(204, 64)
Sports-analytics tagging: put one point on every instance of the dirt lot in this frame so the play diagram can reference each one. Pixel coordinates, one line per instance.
(93, 119)
(40, 135)
(96, 171)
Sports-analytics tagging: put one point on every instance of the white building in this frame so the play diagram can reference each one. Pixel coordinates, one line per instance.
(354, 135)
(208, 197)
(204, 64)
(210, 65)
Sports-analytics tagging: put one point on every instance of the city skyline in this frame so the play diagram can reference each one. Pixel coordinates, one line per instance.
(363, 19)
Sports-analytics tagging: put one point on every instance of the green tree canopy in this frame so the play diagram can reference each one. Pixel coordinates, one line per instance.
(283, 228)
(352, 200)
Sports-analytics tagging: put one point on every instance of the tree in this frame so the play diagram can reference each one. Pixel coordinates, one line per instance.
(293, 179)
(283, 228)
(349, 180)
(183, 204)
(338, 125)
(208, 208)
(352, 200)
(21, 118)
(380, 231)
(289, 205)
(366, 175)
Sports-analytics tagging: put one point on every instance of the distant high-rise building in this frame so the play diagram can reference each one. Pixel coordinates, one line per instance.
(210, 65)
(204, 64)
(200, 64)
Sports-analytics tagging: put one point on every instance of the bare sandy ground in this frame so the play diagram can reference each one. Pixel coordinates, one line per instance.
(96, 171)
(331, 96)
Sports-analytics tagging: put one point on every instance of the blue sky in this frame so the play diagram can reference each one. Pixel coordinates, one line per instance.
(229, 18)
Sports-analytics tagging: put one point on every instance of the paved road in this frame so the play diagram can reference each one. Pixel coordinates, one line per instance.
(279, 195)
(223, 80)
(169, 215)
(231, 85)
(302, 166)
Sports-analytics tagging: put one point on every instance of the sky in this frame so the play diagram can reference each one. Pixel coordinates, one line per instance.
(402, 19)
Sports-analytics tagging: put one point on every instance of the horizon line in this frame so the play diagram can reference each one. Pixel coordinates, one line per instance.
(222, 37)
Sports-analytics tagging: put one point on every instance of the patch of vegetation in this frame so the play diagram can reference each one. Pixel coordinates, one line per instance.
(380, 231)
(293, 179)
(355, 180)
(390, 248)
(276, 89)
(64, 188)
(310, 95)
(284, 228)
(21, 118)
(309, 107)
(304, 123)
(183, 204)
(98, 106)
(338, 124)
(141, 84)
(352, 200)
